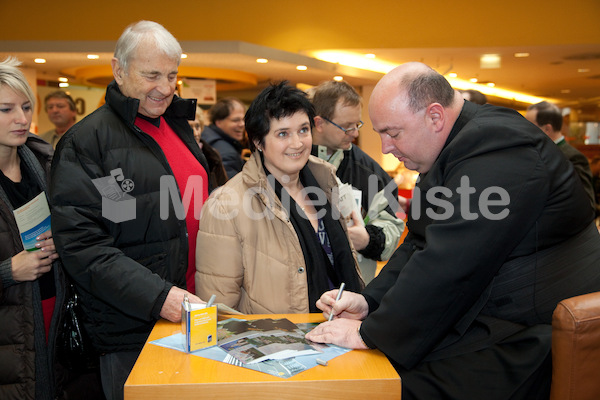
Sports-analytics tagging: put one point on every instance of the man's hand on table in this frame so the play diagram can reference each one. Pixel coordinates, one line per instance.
(171, 309)
(349, 310)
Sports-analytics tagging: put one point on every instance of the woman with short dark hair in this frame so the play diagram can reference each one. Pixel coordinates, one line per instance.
(270, 239)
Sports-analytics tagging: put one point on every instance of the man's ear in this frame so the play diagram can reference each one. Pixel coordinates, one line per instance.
(548, 129)
(319, 122)
(435, 114)
(117, 70)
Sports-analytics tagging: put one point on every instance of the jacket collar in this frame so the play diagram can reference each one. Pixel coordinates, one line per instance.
(30, 161)
(222, 135)
(467, 113)
(254, 175)
(127, 107)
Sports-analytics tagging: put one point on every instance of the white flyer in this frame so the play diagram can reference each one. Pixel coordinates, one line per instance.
(33, 219)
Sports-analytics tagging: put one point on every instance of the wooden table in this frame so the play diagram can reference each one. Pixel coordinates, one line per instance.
(162, 373)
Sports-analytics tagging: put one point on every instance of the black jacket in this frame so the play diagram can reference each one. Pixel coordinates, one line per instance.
(28, 368)
(358, 168)
(582, 167)
(123, 270)
(459, 270)
(229, 149)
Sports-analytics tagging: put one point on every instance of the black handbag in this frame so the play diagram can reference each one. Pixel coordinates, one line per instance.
(77, 350)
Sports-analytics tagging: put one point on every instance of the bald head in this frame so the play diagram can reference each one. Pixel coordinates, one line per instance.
(419, 83)
(413, 108)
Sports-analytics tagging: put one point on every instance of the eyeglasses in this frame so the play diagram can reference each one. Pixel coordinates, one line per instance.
(346, 131)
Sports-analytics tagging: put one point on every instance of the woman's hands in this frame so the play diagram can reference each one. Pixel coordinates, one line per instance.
(30, 265)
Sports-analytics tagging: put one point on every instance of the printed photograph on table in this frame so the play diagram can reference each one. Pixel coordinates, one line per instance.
(264, 339)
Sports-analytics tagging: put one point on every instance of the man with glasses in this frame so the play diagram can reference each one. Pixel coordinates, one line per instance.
(226, 132)
(338, 110)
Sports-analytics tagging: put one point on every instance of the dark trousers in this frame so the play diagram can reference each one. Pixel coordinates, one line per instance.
(114, 370)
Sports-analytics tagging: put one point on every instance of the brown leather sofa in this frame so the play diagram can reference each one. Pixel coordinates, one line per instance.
(576, 349)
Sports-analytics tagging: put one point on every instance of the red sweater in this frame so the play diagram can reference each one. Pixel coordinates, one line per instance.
(184, 166)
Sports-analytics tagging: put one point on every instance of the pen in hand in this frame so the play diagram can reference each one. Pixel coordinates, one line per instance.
(339, 296)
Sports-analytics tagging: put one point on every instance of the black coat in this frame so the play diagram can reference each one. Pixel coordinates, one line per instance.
(582, 167)
(28, 368)
(460, 283)
(229, 149)
(123, 270)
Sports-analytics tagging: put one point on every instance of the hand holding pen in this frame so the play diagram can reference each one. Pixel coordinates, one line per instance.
(339, 296)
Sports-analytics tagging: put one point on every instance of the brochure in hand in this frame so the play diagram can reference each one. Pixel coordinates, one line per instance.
(349, 201)
(33, 219)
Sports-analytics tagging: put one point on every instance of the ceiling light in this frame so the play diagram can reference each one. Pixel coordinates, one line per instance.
(262, 60)
(183, 55)
(370, 55)
(583, 70)
(473, 80)
(338, 78)
(489, 61)
(93, 56)
(351, 59)
(461, 84)
(521, 55)
(452, 75)
(63, 84)
(180, 82)
(40, 61)
(491, 84)
(63, 79)
(565, 91)
(301, 67)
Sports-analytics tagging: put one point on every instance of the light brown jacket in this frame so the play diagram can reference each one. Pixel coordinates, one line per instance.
(248, 253)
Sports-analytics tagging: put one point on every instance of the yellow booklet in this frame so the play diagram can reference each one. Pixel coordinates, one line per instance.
(198, 325)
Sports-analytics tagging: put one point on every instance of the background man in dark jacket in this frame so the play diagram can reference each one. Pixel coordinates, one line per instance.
(549, 119)
(226, 133)
(499, 233)
(115, 229)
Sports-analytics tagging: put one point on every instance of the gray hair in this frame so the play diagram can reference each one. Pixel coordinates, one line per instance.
(134, 34)
(12, 77)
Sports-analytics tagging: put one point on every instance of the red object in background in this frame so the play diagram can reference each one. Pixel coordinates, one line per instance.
(406, 193)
